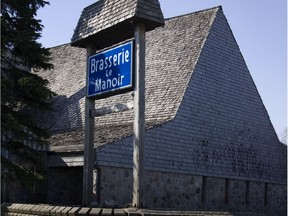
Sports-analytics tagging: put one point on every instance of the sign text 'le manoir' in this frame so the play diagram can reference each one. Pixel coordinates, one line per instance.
(110, 72)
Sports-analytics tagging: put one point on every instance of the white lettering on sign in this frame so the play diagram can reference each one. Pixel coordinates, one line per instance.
(109, 61)
(110, 72)
(101, 85)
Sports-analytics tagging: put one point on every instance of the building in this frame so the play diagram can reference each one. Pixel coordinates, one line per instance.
(209, 140)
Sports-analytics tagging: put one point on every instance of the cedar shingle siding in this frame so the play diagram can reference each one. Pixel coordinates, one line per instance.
(209, 142)
(204, 114)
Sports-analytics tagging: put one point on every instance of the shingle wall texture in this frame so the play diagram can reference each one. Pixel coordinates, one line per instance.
(221, 128)
(166, 53)
(204, 115)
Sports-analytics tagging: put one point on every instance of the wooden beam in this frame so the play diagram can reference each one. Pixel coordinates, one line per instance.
(121, 107)
(139, 115)
(88, 145)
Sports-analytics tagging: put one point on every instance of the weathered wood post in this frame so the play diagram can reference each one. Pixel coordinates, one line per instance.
(139, 115)
(88, 143)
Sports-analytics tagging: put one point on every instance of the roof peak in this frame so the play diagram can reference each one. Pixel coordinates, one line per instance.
(195, 12)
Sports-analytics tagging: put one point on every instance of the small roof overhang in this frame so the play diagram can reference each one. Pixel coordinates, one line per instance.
(108, 22)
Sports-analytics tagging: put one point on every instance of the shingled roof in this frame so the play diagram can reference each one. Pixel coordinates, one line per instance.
(171, 55)
(109, 21)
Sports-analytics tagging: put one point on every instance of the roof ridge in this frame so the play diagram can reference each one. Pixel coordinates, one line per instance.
(219, 7)
(59, 45)
(93, 4)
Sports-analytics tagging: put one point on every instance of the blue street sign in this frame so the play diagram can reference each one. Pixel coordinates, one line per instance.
(111, 71)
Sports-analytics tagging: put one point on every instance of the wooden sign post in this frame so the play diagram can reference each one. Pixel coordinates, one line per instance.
(139, 115)
(88, 145)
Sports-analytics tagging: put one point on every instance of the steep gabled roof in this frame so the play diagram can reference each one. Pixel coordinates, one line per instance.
(108, 21)
(204, 113)
(171, 55)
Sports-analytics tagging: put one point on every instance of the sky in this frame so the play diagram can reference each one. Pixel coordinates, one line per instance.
(259, 27)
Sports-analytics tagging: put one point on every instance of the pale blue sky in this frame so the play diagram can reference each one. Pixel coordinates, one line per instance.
(259, 26)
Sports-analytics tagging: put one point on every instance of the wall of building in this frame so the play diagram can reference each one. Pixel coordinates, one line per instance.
(163, 190)
(191, 192)
(64, 185)
(219, 152)
(221, 129)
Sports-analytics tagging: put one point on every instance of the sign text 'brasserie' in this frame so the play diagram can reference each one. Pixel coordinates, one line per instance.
(111, 70)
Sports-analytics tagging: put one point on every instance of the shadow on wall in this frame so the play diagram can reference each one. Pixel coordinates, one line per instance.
(66, 113)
